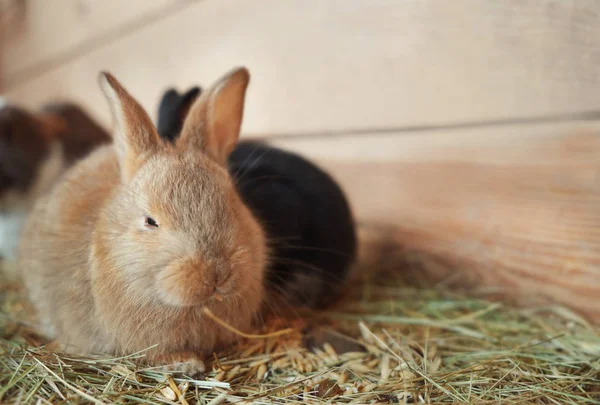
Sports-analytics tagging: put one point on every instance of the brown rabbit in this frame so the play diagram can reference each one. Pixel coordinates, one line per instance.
(132, 244)
(36, 147)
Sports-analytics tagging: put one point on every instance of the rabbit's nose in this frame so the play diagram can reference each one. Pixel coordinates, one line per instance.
(223, 275)
(186, 283)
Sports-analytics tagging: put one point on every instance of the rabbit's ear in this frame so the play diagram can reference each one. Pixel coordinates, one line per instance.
(172, 111)
(169, 124)
(185, 104)
(134, 135)
(214, 121)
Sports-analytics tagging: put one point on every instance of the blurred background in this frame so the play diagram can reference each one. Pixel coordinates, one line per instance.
(317, 66)
(465, 130)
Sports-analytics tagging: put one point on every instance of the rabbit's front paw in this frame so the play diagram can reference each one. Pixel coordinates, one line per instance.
(184, 363)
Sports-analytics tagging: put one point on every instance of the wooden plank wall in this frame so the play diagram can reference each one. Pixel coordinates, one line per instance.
(319, 65)
(468, 126)
(512, 207)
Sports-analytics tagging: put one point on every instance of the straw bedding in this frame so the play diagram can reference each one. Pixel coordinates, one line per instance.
(384, 343)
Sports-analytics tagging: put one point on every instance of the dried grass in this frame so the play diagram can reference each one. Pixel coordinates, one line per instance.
(381, 345)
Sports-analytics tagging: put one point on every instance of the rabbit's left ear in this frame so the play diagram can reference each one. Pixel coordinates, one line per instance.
(215, 118)
(135, 138)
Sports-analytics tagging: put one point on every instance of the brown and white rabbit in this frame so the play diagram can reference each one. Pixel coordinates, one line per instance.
(135, 240)
(35, 149)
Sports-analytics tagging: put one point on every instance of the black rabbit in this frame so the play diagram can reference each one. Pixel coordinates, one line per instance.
(304, 212)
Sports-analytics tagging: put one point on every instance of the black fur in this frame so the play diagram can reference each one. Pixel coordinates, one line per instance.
(172, 110)
(303, 211)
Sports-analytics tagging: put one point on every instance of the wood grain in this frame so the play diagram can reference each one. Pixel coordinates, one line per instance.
(521, 213)
(37, 35)
(322, 66)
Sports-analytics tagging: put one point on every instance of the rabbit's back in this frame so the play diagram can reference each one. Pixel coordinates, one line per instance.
(306, 216)
(55, 248)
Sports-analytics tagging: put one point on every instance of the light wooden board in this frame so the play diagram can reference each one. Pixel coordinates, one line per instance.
(350, 64)
(521, 212)
(551, 143)
(54, 32)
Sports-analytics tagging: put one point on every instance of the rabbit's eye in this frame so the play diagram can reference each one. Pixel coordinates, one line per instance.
(150, 222)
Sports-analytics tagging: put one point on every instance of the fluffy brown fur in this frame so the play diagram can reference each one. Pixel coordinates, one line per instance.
(35, 149)
(105, 279)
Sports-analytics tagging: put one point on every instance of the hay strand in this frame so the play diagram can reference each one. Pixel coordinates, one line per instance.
(238, 332)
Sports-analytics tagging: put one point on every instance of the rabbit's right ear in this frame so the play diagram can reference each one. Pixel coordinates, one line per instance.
(214, 120)
(135, 137)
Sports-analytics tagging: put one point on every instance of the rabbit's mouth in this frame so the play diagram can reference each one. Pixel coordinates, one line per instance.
(191, 283)
(185, 284)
